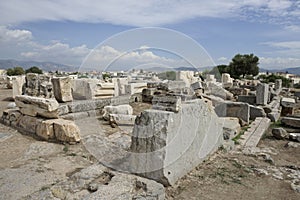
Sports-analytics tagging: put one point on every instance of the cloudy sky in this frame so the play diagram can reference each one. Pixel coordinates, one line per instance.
(68, 31)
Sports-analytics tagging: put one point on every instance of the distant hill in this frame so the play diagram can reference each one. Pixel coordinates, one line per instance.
(45, 66)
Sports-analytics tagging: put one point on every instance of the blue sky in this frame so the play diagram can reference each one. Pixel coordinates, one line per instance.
(67, 31)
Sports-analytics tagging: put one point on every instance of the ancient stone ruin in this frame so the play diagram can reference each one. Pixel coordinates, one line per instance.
(186, 121)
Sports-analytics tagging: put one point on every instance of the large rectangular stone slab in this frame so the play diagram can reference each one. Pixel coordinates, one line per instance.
(168, 145)
(167, 103)
(291, 121)
(262, 94)
(37, 106)
(62, 88)
(234, 109)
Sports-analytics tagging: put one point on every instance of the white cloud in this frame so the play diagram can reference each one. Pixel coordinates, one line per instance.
(108, 58)
(7, 35)
(278, 62)
(136, 12)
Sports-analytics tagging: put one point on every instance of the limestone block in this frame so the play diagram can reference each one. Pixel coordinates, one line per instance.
(66, 131)
(197, 85)
(63, 109)
(219, 91)
(186, 76)
(28, 124)
(262, 94)
(168, 145)
(172, 85)
(256, 112)
(120, 109)
(18, 83)
(231, 127)
(82, 89)
(279, 133)
(167, 103)
(250, 99)
(291, 121)
(294, 136)
(34, 106)
(62, 88)
(278, 85)
(121, 119)
(234, 109)
(45, 129)
(274, 116)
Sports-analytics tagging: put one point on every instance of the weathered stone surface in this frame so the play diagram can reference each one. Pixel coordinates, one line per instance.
(262, 94)
(121, 119)
(250, 99)
(197, 85)
(120, 109)
(254, 133)
(28, 124)
(82, 89)
(18, 83)
(34, 106)
(11, 105)
(279, 133)
(288, 106)
(81, 106)
(290, 121)
(167, 103)
(295, 136)
(75, 116)
(231, 127)
(234, 109)
(274, 116)
(107, 185)
(38, 85)
(66, 131)
(168, 144)
(63, 109)
(45, 129)
(227, 81)
(278, 85)
(172, 85)
(215, 100)
(186, 76)
(256, 112)
(62, 88)
(147, 94)
(219, 91)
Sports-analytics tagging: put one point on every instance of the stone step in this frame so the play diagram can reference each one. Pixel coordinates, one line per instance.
(253, 136)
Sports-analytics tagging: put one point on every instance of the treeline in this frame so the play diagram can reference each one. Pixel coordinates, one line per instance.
(19, 71)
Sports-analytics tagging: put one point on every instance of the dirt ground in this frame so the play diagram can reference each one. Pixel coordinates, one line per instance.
(28, 165)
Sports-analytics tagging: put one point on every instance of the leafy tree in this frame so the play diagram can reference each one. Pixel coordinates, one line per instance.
(242, 65)
(106, 75)
(34, 69)
(15, 71)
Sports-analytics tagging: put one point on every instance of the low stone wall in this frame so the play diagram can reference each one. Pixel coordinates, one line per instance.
(89, 108)
(56, 130)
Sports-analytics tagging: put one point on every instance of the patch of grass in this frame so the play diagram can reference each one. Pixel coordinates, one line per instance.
(66, 148)
(238, 136)
(276, 124)
(236, 164)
